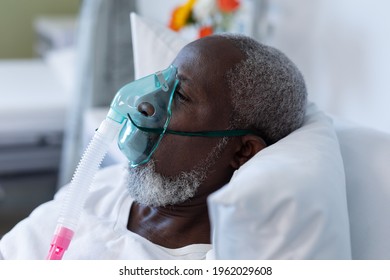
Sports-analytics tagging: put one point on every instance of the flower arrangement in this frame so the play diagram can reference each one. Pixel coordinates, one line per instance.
(207, 16)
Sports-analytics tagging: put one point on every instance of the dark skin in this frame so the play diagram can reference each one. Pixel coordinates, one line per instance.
(202, 103)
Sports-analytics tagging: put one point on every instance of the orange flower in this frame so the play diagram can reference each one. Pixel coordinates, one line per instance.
(181, 15)
(205, 31)
(228, 6)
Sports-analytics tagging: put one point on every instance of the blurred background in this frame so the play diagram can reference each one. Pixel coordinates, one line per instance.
(61, 63)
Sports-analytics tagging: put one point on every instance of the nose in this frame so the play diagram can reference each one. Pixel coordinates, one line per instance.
(146, 109)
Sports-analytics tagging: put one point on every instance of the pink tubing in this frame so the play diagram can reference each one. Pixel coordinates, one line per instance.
(60, 243)
(78, 189)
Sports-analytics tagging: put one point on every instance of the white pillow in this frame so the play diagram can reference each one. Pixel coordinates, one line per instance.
(154, 45)
(286, 202)
(366, 155)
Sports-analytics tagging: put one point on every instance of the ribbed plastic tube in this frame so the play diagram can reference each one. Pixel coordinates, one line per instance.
(79, 187)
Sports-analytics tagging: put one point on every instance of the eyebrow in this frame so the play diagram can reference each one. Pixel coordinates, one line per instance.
(183, 78)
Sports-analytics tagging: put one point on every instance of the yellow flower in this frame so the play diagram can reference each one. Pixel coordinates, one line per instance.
(181, 15)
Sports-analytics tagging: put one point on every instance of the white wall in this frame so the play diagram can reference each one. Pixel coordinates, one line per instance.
(157, 9)
(343, 50)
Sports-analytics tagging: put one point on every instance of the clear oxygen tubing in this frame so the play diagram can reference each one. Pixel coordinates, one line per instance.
(81, 182)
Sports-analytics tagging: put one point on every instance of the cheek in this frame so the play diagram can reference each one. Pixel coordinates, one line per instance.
(176, 154)
(192, 118)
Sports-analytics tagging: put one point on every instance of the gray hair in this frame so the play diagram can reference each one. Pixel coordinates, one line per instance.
(268, 91)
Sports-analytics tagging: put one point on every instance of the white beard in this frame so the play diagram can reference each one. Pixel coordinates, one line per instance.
(150, 188)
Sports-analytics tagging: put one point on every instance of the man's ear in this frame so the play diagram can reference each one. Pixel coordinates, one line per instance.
(248, 146)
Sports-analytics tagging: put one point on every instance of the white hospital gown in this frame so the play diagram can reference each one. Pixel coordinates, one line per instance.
(102, 232)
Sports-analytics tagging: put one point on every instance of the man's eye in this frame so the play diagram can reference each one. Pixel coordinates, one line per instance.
(180, 97)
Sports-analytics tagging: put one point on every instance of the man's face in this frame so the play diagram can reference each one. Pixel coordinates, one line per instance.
(193, 165)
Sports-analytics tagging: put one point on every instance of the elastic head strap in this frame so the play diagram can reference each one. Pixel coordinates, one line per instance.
(215, 133)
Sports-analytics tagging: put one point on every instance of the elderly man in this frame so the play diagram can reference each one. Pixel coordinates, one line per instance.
(251, 95)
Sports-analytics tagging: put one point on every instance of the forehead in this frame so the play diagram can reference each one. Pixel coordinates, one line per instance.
(206, 61)
(208, 56)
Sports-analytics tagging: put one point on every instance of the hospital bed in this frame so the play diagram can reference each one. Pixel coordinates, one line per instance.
(32, 116)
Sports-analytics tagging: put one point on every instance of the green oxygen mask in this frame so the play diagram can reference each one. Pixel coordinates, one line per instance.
(146, 104)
